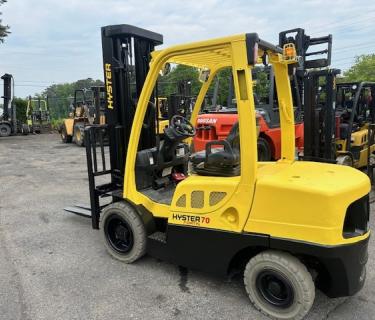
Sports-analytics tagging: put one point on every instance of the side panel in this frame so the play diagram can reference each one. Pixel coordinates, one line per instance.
(204, 249)
(209, 202)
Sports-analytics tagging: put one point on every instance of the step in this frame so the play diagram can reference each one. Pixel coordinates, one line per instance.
(159, 237)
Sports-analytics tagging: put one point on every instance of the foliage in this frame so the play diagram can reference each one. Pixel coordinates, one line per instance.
(4, 29)
(262, 84)
(56, 123)
(362, 70)
(167, 84)
(21, 106)
(60, 96)
(223, 77)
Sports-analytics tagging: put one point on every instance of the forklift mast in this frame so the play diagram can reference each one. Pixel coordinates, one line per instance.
(9, 112)
(303, 43)
(320, 105)
(179, 102)
(126, 56)
(309, 59)
(316, 85)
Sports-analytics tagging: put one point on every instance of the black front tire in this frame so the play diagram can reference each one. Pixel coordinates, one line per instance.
(5, 130)
(264, 150)
(123, 232)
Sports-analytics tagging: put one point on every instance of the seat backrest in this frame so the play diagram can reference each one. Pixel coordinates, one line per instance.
(233, 137)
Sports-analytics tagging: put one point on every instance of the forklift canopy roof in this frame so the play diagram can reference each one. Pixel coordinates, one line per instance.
(218, 51)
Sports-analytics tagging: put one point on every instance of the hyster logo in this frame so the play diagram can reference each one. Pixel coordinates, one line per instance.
(108, 82)
(207, 121)
(194, 220)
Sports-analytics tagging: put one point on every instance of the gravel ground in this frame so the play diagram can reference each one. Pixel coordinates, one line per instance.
(54, 266)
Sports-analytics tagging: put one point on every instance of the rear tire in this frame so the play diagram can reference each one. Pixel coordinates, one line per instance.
(64, 136)
(123, 232)
(264, 150)
(279, 285)
(5, 130)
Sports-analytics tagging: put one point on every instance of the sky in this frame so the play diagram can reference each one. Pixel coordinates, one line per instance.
(57, 41)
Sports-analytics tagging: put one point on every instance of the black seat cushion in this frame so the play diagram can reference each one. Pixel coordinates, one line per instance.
(224, 161)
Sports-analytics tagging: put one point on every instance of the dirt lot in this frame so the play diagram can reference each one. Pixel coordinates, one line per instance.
(54, 266)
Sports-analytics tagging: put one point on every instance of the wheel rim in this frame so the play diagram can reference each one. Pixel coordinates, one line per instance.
(3, 130)
(119, 234)
(275, 289)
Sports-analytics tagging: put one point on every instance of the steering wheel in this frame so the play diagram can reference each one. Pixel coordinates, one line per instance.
(182, 126)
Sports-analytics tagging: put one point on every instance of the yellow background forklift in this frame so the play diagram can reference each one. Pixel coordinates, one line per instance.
(162, 110)
(176, 103)
(339, 120)
(291, 225)
(87, 108)
(355, 105)
(38, 115)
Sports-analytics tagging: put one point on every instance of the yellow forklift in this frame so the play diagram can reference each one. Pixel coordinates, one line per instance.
(87, 108)
(355, 109)
(290, 225)
(38, 115)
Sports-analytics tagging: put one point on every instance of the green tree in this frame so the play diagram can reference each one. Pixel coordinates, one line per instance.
(223, 76)
(21, 106)
(362, 70)
(261, 83)
(167, 84)
(4, 29)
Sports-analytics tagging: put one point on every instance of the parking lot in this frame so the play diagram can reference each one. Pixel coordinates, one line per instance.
(54, 266)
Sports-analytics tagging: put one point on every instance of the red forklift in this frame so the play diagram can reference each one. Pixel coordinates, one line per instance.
(217, 122)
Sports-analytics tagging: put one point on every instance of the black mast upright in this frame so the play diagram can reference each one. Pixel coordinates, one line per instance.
(126, 58)
(8, 110)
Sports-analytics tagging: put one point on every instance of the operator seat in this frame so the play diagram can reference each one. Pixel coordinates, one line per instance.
(220, 162)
